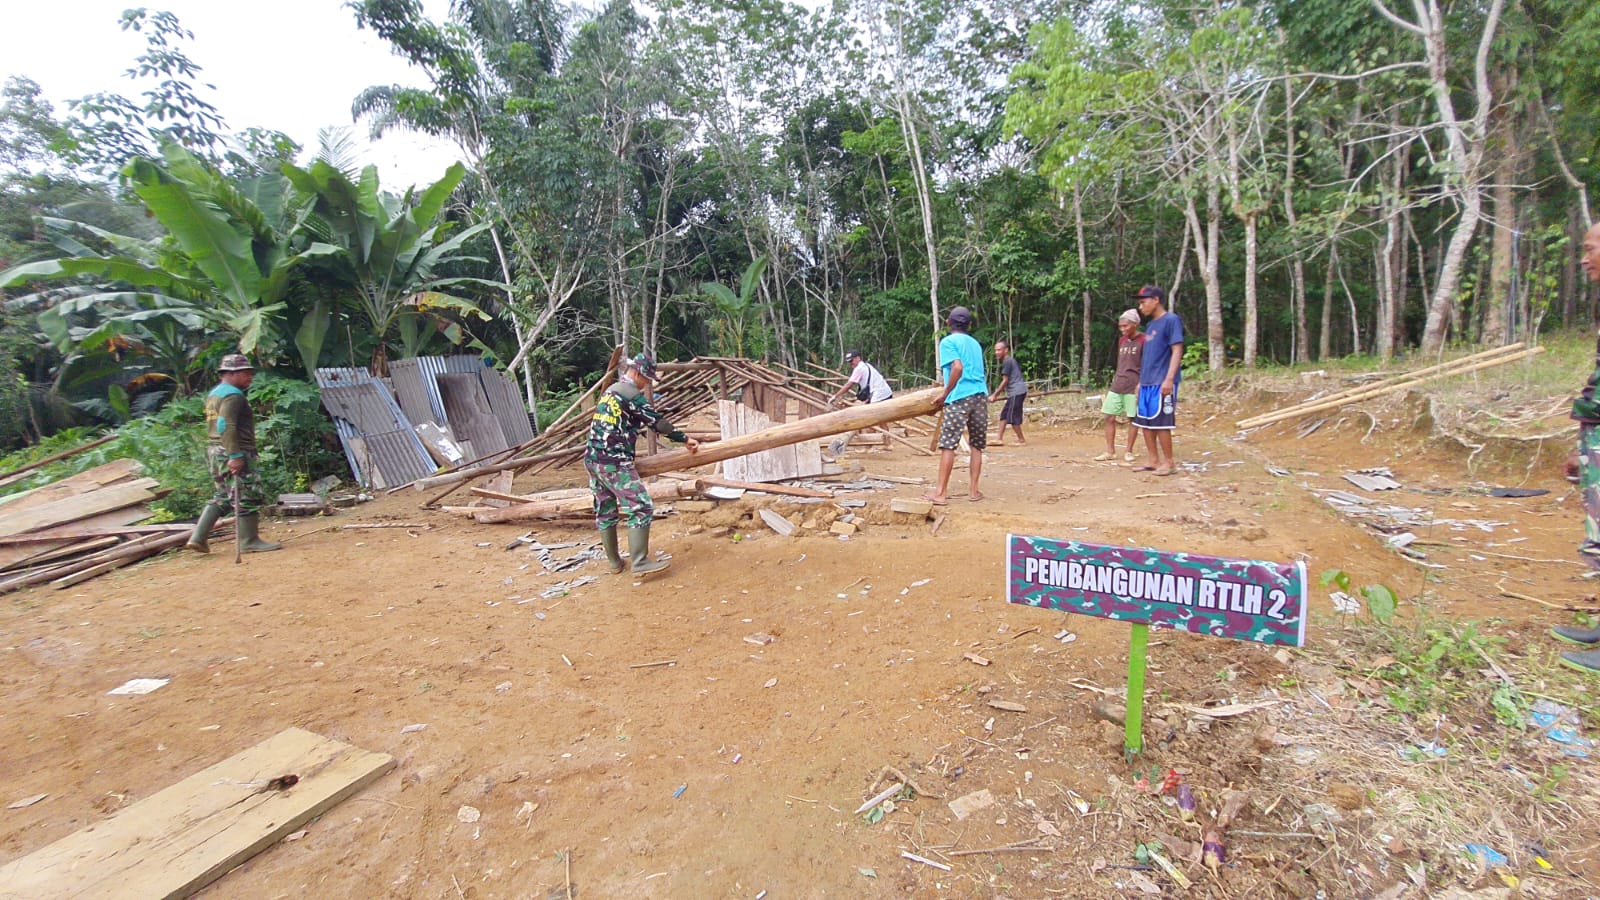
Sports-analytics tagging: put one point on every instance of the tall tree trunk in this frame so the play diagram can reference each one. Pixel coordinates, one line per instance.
(1464, 146)
(1297, 268)
(1083, 268)
(1250, 298)
(1508, 166)
(1205, 251)
(1325, 335)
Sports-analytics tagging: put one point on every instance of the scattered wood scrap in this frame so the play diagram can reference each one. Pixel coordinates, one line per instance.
(180, 839)
(1403, 381)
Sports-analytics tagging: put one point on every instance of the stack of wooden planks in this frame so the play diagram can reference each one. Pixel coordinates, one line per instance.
(74, 529)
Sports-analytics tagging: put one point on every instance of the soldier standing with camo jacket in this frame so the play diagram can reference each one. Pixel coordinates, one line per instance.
(1583, 466)
(619, 416)
(231, 457)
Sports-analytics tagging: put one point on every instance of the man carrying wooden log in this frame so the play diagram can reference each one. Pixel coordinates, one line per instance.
(966, 404)
(865, 380)
(1584, 465)
(231, 458)
(620, 414)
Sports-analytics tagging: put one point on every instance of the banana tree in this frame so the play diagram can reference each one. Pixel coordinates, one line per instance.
(230, 250)
(739, 331)
(393, 247)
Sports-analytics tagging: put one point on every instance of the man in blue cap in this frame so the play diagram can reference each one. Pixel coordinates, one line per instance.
(621, 413)
(966, 404)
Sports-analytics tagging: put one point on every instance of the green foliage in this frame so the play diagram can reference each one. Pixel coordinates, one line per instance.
(291, 437)
(1382, 604)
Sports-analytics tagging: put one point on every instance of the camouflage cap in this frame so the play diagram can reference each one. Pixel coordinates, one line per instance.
(235, 362)
(644, 365)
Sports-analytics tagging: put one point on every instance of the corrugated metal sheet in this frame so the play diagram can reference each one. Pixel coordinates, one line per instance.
(413, 387)
(470, 416)
(416, 384)
(378, 439)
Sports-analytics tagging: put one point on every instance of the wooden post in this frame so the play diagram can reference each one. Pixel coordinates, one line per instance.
(851, 419)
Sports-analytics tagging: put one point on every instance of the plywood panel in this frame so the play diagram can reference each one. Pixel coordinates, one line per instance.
(72, 509)
(181, 839)
(470, 417)
(798, 460)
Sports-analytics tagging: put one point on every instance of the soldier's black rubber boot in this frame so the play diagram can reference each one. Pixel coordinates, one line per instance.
(1576, 635)
(249, 535)
(608, 540)
(639, 549)
(199, 539)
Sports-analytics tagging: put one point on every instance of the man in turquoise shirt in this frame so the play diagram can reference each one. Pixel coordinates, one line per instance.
(966, 403)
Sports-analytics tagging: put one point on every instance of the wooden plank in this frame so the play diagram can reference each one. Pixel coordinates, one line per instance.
(132, 552)
(660, 492)
(784, 489)
(18, 547)
(777, 523)
(117, 471)
(177, 841)
(72, 509)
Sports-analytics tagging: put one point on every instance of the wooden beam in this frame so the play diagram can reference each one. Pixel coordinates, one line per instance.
(549, 509)
(177, 841)
(512, 465)
(71, 509)
(761, 487)
(851, 419)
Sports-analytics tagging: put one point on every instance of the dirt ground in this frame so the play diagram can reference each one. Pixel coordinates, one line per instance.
(735, 771)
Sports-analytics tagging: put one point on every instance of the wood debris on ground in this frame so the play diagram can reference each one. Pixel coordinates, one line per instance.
(82, 526)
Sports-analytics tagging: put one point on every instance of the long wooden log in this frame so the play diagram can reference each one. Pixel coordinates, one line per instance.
(1395, 380)
(130, 554)
(434, 481)
(69, 533)
(762, 487)
(660, 491)
(851, 419)
(1374, 393)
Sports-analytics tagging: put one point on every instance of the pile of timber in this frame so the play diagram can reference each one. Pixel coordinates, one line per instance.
(575, 504)
(1406, 380)
(81, 526)
(685, 390)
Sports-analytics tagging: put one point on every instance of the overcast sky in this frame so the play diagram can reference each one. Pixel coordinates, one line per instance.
(289, 65)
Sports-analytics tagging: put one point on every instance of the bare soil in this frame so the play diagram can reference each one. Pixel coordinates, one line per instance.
(358, 634)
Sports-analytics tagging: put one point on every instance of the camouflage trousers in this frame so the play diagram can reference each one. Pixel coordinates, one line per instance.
(618, 485)
(251, 498)
(1589, 483)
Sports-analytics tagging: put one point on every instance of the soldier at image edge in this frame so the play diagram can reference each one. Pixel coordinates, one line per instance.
(1583, 466)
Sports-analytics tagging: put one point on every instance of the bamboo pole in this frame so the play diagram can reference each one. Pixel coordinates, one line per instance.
(761, 487)
(1402, 378)
(456, 478)
(852, 419)
(1327, 405)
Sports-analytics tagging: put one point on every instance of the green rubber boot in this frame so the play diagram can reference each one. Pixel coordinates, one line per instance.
(200, 538)
(1574, 635)
(639, 548)
(1583, 661)
(249, 535)
(608, 540)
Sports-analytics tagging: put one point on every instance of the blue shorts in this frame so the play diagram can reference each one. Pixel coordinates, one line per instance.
(1151, 413)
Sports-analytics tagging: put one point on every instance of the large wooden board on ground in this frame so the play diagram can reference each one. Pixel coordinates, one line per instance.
(177, 841)
(82, 506)
(118, 471)
(802, 459)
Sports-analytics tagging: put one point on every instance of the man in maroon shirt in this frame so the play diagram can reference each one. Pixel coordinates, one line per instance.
(1584, 465)
(1122, 399)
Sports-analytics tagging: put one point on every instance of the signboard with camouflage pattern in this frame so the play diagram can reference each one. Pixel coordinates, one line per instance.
(1247, 600)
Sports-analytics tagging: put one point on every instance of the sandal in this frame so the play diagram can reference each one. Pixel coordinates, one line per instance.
(1104, 457)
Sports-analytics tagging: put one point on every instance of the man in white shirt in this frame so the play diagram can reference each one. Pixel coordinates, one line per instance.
(866, 382)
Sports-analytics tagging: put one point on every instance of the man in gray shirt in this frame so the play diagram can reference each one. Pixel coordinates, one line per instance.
(1013, 388)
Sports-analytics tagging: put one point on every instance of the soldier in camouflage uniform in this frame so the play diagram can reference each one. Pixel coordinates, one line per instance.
(621, 413)
(231, 457)
(1583, 466)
